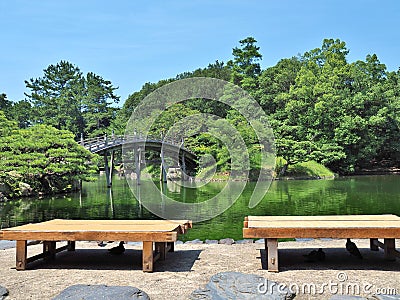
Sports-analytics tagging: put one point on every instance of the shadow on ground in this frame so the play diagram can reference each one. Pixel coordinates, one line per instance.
(131, 259)
(335, 259)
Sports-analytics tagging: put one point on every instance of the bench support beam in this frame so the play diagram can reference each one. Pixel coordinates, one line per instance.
(147, 256)
(21, 255)
(272, 255)
(171, 246)
(49, 248)
(161, 248)
(373, 244)
(389, 247)
(71, 245)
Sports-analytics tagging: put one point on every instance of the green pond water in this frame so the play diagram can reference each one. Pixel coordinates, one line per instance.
(348, 195)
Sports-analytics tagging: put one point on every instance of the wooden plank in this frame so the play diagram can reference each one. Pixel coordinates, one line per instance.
(116, 222)
(273, 265)
(246, 222)
(32, 243)
(378, 243)
(44, 254)
(98, 227)
(325, 218)
(109, 222)
(396, 253)
(162, 232)
(361, 226)
(324, 224)
(71, 230)
(92, 236)
(65, 247)
(156, 257)
(93, 224)
(389, 248)
(36, 257)
(147, 256)
(21, 254)
(302, 232)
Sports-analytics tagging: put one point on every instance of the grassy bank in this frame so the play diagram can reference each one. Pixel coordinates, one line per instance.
(305, 170)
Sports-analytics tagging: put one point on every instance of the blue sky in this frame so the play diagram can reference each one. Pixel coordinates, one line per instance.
(133, 42)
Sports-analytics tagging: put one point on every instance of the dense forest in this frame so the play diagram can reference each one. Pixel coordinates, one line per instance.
(322, 108)
(343, 115)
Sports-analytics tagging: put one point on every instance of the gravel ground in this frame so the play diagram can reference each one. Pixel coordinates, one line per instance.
(192, 265)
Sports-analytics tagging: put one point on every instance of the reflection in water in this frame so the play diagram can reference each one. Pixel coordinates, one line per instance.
(354, 195)
(173, 186)
(110, 207)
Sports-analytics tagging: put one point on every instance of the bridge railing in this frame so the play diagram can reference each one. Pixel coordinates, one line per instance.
(105, 141)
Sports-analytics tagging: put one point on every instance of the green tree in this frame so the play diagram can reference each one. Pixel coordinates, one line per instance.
(22, 113)
(275, 81)
(6, 125)
(57, 97)
(245, 64)
(67, 100)
(46, 159)
(96, 109)
(322, 107)
(217, 70)
(5, 104)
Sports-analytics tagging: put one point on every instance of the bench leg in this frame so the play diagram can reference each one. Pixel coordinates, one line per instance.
(161, 248)
(49, 250)
(373, 244)
(266, 250)
(171, 246)
(21, 255)
(389, 247)
(71, 245)
(272, 248)
(147, 256)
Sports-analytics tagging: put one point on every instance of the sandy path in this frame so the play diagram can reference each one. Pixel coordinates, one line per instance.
(191, 266)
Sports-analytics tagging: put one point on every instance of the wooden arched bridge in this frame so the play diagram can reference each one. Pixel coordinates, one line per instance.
(138, 144)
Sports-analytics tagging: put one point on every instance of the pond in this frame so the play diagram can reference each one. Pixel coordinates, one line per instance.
(347, 195)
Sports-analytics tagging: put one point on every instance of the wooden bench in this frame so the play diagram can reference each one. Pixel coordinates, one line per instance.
(373, 227)
(158, 234)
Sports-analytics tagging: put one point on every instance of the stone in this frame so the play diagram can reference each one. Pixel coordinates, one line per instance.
(386, 297)
(245, 241)
(178, 243)
(7, 245)
(25, 189)
(4, 188)
(260, 241)
(304, 239)
(3, 198)
(236, 285)
(94, 292)
(345, 297)
(137, 244)
(3, 292)
(196, 241)
(211, 241)
(227, 241)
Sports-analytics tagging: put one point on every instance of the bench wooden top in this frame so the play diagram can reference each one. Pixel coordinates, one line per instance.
(75, 230)
(351, 226)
